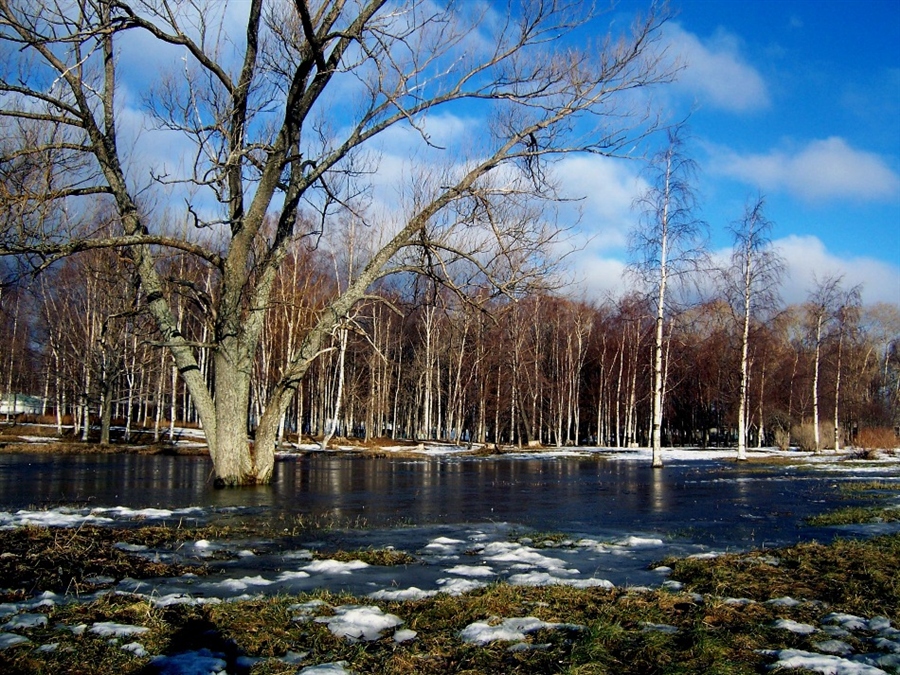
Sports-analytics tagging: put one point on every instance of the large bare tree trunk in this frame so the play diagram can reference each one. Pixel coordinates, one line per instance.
(259, 154)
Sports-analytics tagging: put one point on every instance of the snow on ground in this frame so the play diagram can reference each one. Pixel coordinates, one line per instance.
(357, 623)
(509, 630)
(454, 560)
(74, 517)
(453, 564)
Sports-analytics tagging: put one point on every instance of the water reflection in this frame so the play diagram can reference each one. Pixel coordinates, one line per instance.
(718, 503)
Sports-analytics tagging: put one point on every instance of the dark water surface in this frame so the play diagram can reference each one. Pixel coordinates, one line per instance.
(716, 503)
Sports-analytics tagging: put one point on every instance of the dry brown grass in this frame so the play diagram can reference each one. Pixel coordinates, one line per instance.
(877, 438)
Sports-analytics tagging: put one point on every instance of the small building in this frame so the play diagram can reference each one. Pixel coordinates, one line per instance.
(21, 404)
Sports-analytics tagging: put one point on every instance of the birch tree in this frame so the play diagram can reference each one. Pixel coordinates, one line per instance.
(846, 316)
(821, 308)
(665, 245)
(268, 106)
(751, 281)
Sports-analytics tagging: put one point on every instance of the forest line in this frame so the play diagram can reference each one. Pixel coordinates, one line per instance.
(415, 361)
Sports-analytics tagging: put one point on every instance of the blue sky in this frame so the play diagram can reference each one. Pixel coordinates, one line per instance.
(798, 101)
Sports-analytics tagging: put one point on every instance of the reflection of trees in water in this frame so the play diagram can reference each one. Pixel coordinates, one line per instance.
(577, 496)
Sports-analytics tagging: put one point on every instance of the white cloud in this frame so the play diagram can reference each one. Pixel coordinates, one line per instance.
(807, 256)
(597, 277)
(605, 189)
(822, 170)
(715, 72)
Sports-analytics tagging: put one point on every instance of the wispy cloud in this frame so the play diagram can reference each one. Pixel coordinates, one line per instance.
(715, 72)
(823, 170)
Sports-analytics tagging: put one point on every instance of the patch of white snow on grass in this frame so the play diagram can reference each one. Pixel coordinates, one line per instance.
(412, 593)
(545, 579)
(8, 640)
(135, 648)
(334, 668)
(405, 635)
(838, 647)
(820, 663)
(305, 610)
(509, 630)
(849, 622)
(242, 584)
(112, 629)
(459, 586)
(795, 627)
(26, 621)
(359, 623)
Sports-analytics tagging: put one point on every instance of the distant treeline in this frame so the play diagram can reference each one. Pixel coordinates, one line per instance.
(417, 362)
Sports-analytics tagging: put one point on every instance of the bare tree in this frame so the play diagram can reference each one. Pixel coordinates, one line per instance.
(666, 245)
(755, 271)
(277, 115)
(846, 316)
(821, 308)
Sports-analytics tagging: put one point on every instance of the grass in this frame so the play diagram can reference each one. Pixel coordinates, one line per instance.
(713, 636)
(384, 557)
(856, 515)
(871, 486)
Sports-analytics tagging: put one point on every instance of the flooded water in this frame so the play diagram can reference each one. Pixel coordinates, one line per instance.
(715, 503)
(468, 521)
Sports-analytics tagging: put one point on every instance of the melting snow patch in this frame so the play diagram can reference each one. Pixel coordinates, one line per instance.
(26, 621)
(509, 630)
(61, 517)
(444, 546)
(411, 593)
(795, 627)
(459, 586)
(11, 640)
(405, 635)
(640, 542)
(305, 610)
(648, 627)
(838, 647)
(820, 663)
(110, 629)
(359, 623)
(545, 579)
(129, 548)
(739, 602)
(335, 566)
(500, 551)
(182, 599)
(135, 648)
(471, 571)
(846, 621)
(335, 668)
(783, 602)
(243, 583)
